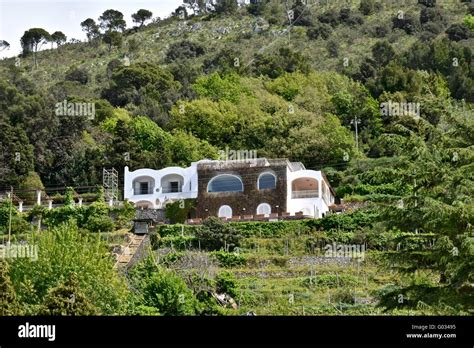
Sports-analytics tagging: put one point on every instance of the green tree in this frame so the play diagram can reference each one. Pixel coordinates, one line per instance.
(383, 53)
(58, 38)
(113, 39)
(91, 28)
(68, 299)
(141, 16)
(285, 60)
(29, 185)
(16, 155)
(32, 40)
(112, 21)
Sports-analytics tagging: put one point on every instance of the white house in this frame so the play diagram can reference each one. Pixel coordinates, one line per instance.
(232, 188)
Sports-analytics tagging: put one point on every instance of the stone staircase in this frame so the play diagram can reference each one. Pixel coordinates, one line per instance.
(125, 257)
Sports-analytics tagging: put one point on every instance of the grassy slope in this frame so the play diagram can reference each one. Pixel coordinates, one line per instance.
(154, 40)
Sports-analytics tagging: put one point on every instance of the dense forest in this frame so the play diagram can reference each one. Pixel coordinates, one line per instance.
(287, 80)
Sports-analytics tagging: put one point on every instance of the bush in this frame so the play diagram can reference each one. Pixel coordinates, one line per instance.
(162, 289)
(343, 296)
(368, 7)
(320, 29)
(333, 48)
(458, 32)
(227, 259)
(64, 251)
(175, 230)
(68, 299)
(100, 223)
(329, 17)
(184, 50)
(214, 234)
(77, 74)
(406, 22)
(430, 15)
(226, 283)
(346, 222)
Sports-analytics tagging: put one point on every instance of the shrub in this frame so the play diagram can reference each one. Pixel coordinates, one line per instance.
(162, 289)
(77, 74)
(333, 48)
(320, 29)
(226, 283)
(343, 296)
(100, 223)
(214, 234)
(8, 299)
(227, 259)
(368, 7)
(406, 22)
(329, 17)
(31, 183)
(68, 299)
(458, 32)
(381, 30)
(184, 50)
(430, 15)
(175, 230)
(63, 251)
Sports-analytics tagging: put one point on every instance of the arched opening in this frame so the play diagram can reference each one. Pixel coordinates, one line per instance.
(225, 211)
(172, 183)
(143, 185)
(225, 183)
(264, 209)
(266, 181)
(304, 188)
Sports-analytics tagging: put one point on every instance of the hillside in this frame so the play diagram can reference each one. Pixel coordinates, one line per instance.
(299, 86)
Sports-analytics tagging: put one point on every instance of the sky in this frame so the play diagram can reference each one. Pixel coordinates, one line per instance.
(17, 16)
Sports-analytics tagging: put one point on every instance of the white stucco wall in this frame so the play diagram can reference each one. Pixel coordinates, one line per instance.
(314, 207)
(189, 188)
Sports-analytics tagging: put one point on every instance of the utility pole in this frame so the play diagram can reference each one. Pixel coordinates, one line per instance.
(356, 122)
(10, 217)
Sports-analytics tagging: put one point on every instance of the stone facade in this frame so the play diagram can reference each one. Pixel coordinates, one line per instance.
(246, 202)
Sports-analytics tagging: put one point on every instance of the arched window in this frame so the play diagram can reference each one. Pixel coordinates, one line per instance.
(264, 209)
(225, 183)
(225, 211)
(266, 181)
